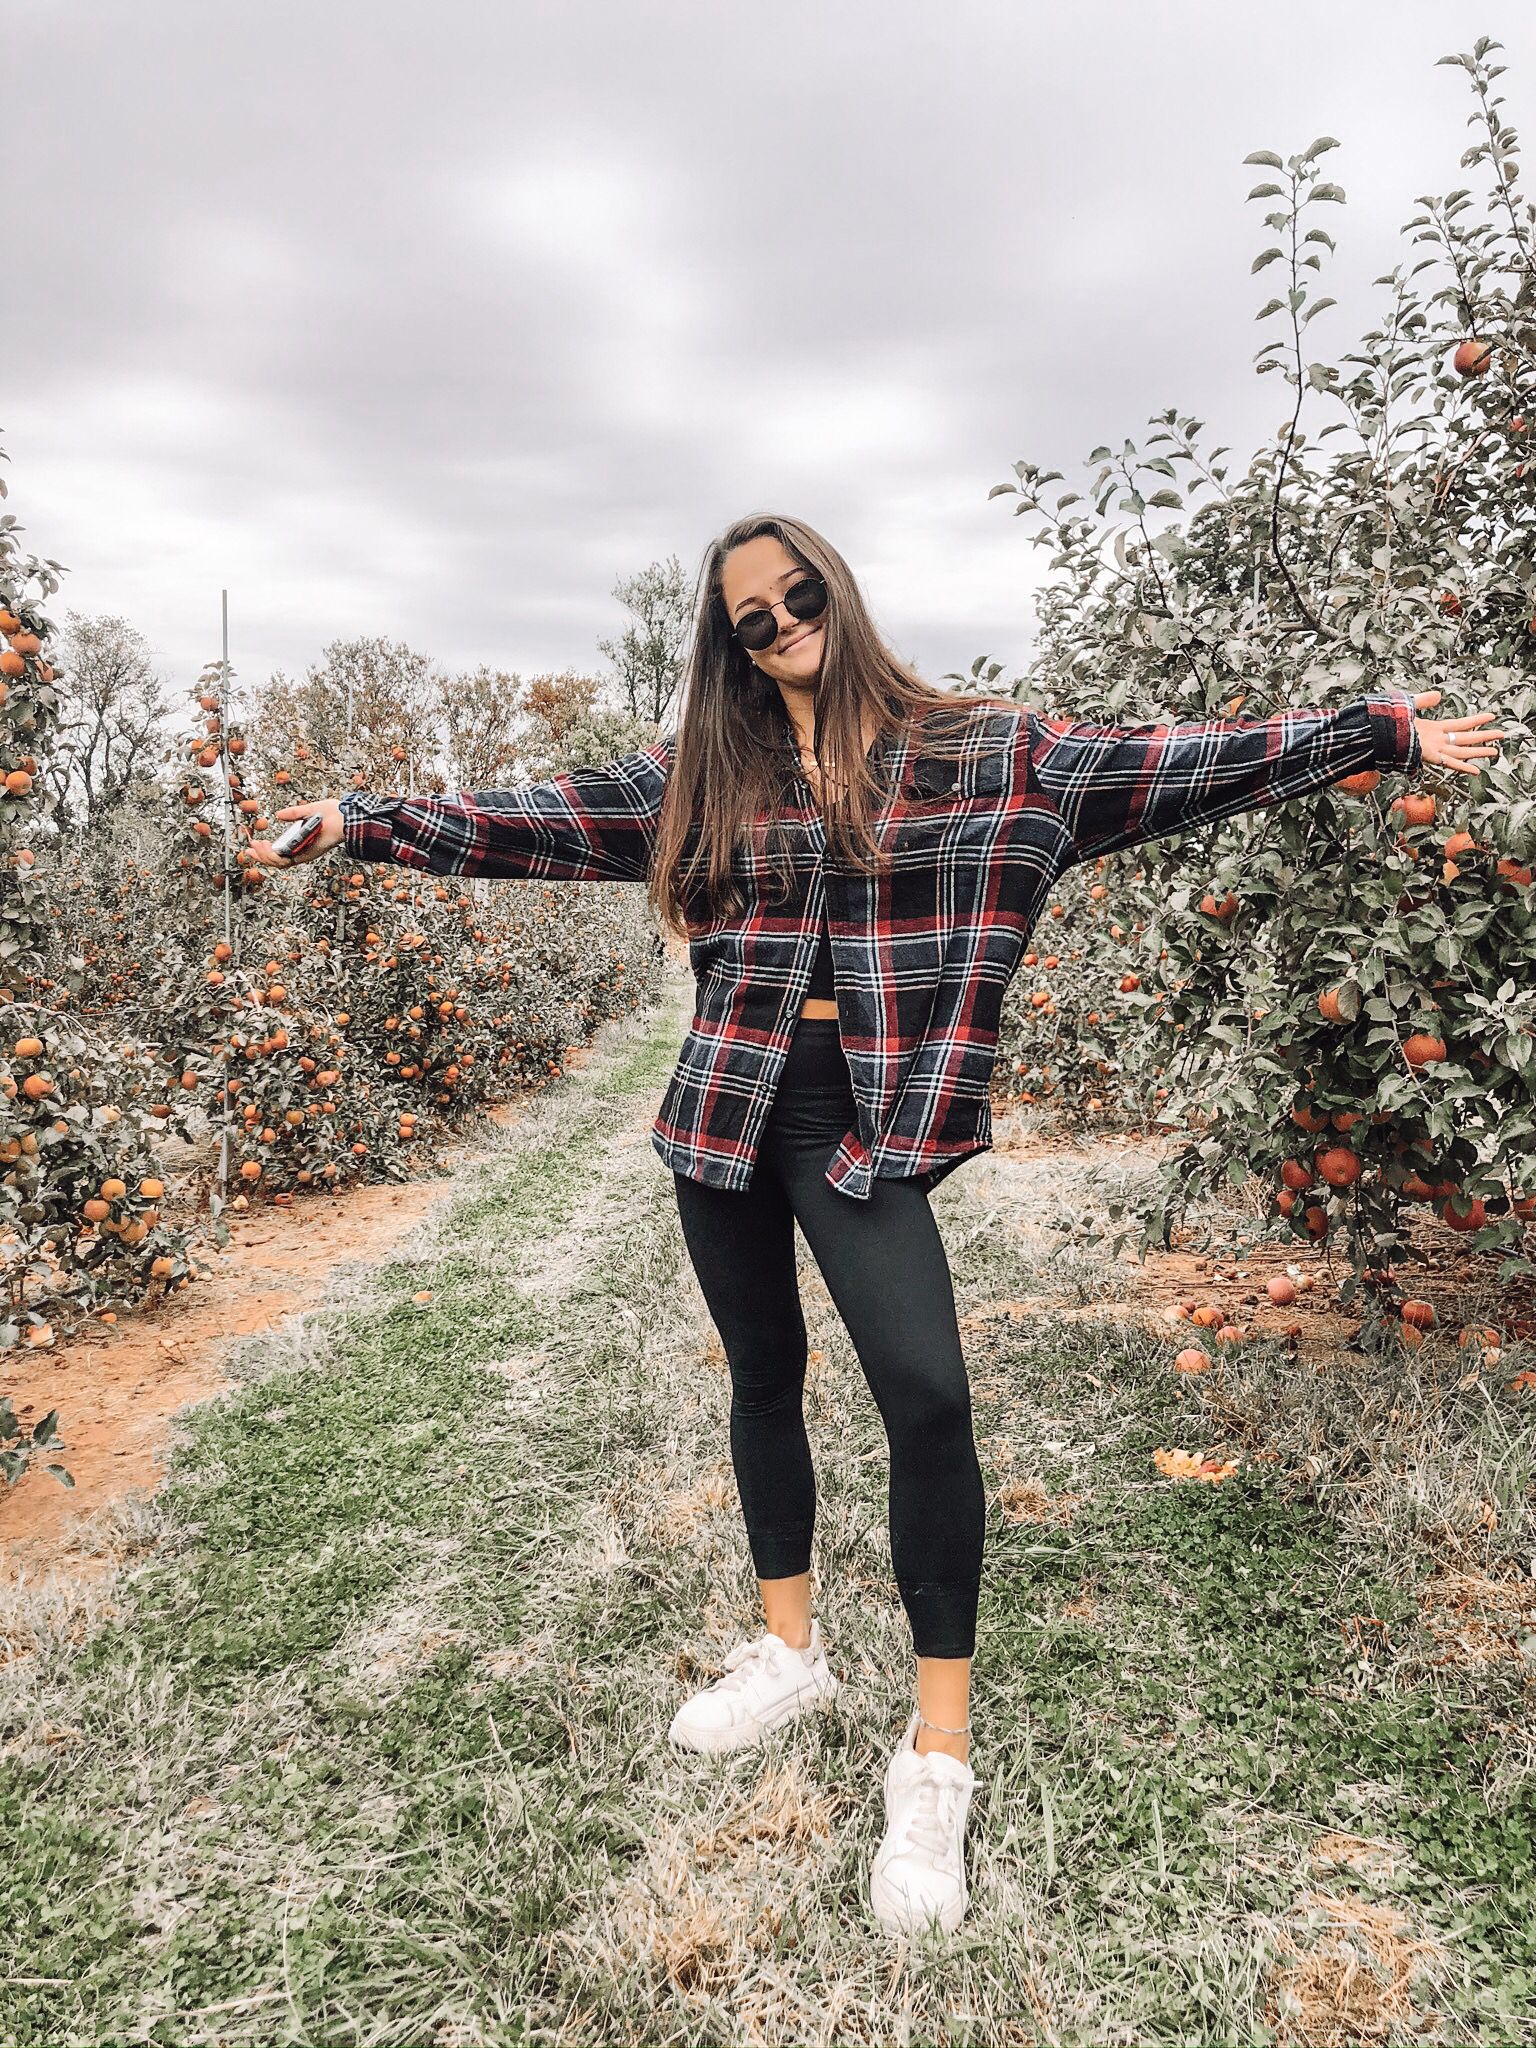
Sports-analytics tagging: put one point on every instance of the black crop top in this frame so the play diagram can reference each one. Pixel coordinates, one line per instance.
(821, 978)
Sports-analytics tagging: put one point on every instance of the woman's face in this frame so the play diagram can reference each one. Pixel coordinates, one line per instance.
(754, 577)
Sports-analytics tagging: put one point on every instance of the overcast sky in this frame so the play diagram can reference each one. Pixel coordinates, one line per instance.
(434, 321)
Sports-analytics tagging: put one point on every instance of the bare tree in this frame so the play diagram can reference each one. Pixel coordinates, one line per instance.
(367, 708)
(112, 708)
(479, 720)
(649, 655)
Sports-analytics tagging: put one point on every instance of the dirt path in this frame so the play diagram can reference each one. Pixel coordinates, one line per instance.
(118, 1387)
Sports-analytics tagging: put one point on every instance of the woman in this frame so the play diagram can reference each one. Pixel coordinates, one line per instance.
(857, 858)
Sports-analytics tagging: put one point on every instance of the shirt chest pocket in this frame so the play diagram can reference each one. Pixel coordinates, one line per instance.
(947, 801)
(933, 779)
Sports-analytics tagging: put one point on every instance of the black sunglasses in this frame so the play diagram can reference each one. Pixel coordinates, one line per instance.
(805, 599)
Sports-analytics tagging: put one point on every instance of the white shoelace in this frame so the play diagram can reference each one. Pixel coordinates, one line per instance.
(930, 1822)
(743, 1661)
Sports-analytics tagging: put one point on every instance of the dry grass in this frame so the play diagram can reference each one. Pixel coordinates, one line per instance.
(468, 1785)
(1477, 1622)
(1351, 1975)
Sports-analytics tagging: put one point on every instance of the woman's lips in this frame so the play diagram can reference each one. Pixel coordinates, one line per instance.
(798, 638)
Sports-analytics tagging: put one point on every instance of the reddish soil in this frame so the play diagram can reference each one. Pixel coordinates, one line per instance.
(116, 1387)
(1460, 1284)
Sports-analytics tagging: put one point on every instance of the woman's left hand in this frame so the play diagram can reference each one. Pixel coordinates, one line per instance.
(1455, 742)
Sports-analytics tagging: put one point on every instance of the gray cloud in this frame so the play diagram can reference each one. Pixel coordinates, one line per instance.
(433, 323)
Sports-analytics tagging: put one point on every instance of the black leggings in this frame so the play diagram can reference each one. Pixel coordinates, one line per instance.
(886, 1271)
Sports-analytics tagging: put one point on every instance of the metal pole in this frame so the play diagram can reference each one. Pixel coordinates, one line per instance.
(229, 807)
(341, 901)
(229, 842)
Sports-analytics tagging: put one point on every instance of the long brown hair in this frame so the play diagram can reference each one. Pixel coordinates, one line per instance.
(735, 753)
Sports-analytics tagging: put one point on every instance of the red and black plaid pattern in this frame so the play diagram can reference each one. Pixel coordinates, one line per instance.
(924, 952)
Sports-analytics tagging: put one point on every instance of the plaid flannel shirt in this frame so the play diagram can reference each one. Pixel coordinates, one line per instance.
(923, 954)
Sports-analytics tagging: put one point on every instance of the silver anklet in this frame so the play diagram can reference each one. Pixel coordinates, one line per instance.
(942, 1731)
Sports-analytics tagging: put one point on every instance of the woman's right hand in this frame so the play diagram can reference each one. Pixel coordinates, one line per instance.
(328, 836)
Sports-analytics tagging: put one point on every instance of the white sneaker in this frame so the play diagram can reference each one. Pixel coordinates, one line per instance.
(766, 1684)
(918, 1874)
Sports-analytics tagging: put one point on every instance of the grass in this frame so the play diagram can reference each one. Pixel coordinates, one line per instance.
(369, 1746)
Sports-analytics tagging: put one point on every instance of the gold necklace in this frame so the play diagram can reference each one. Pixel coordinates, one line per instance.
(809, 764)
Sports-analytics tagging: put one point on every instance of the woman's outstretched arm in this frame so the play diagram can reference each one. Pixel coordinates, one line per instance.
(583, 825)
(1114, 785)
